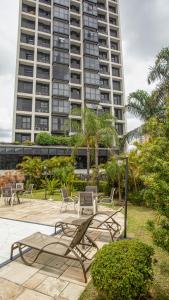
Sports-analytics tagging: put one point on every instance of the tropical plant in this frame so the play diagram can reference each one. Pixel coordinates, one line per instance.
(50, 185)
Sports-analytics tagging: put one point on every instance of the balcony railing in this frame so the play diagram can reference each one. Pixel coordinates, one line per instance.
(43, 43)
(48, 2)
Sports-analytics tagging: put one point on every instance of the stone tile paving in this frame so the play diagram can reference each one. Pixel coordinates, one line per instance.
(51, 277)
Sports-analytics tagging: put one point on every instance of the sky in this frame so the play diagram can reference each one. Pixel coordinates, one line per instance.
(145, 31)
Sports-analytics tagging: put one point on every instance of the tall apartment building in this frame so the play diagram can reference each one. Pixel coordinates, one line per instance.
(68, 57)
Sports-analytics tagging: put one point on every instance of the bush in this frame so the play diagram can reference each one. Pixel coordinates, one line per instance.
(123, 270)
(45, 138)
(79, 185)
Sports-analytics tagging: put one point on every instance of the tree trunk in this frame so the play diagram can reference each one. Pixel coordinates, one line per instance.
(97, 164)
(88, 162)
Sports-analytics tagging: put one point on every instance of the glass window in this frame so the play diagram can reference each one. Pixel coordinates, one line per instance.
(116, 72)
(59, 123)
(25, 70)
(42, 89)
(25, 87)
(60, 106)
(43, 42)
(44, 27)
(90, 22)
(43, 57)
(21, 137)
(91, 63)
(91, 35)
(117, 99)
(27, 23)
(60, 42)
(43, 73)
(92, 94)
(116, 85)
(90, 8)
(23, 122)
(61, 72)
(62, 2)
(92, 78)
(26, 54)
(115, 58)
(118, 113)
(24, 104)
(60, 89)
(41, 123)
(119, 128)
(61, 13)
(61, 57)
(91, 49)
(114, 46)
(42, 106)
(28, 39)
(61, 27)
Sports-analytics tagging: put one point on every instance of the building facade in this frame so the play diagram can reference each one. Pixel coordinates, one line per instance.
(68, 58)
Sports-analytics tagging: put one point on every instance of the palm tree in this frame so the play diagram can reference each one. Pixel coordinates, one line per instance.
(160, 73)
(31, 167)
(143, 106)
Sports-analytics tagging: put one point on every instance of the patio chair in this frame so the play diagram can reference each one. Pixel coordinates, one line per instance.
(105, 223)
(8, 195)
(86, 201)
(91, 189)
(19, 186)
(67, 200)
(29, 190)
(75, 248)
(107, 199)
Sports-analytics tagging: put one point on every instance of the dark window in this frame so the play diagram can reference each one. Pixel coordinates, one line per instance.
(75, 63)
(116, 72)
(25, 70)
(75, 93)
(115, 58)
(61, 72)
(27, 23)
(116, 85)
(75, 35)
(118, 113)
(117, 99)
(92, 78)
(22, 137)
(92, 94)
(61, 57)
(103, 55)
(27, 39)
(104, 82)
(102, 29)
(42, 106)
(75, 22)
(114, 46)
(91, 35)
(61, 27)
(42, 89)
(43, 73)
(43, 42)
(91, 63)
(74, 8)
(44, 27)
(75, 78)
(105, 97)
(25, 87)
(75, 49)
(24, 104)
(101, 17)
(44, 13)
(43, 57)
(91, 49)
(90, 8)
(26, 54)
(60, 106)
(48, 2)
(104, 69)
(113, 9)
(41, 123)
(113, 21)
(119, 128)
(59, 124)
(61, 13)
(103, 42)
(60, 89)
(62, 2)
(60, 42)
(90, 22)
(113, 33)
(28, 9)
(23, 122)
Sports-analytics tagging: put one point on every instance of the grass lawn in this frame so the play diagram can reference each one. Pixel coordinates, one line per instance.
(137, 218)
(40, 195)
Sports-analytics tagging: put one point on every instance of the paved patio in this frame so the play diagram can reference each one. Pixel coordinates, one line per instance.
(51, 277)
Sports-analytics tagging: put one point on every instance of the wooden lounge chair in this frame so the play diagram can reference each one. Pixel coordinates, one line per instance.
(105, 223)
(75, 248)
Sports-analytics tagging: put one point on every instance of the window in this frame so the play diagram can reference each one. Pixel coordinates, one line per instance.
(28, 39)
(60, 42)
(92, 94)
(26, 54)
(42, 106)
(115, 58)
(60, 89)
(104, 69)
(75, 49)
(90, 8)
(44, 13)
(103, 42)
(27, 23)
(61, 57)
(25, 87)
(42, 89)
(61, 72)
(61, 13)
(75, 63)
(43, 57)
(60, 106)
(43, 73)
(75, 78)
(92, 78)
(117, 99)
(90, 22)
(59, 124)
(23, 122)
(22, 137)
(28, 9)
(104, 82)
(113, 33)
(43, 42)
(104, 97)
(116, 72)
(103, 55)
(91, 35)
(41, 123)
(25, 70)
(119, 128)
(24, 104)
(91, 63)
(61, 27)
(91, 49)
(75, 93)
(117, 85)
(118, 114)
(44, 27)
(62, 2)
(114, 46)
(113, 21)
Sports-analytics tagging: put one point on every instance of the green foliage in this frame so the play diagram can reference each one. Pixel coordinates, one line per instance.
(44, 138)
(123, 270)
(79, 185)
(50, 185)
(28, 143)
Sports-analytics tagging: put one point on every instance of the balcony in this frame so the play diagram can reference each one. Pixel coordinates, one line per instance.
(48, 2)
(113, 21)
(75, 64)
(75, 9)
(113, 9)
(104, 70)
(102, 30)
(26, 54)
(102, 43)
(75, 94)
(28, 9)
(44, 13)
(114, 33)
(101, 5)
(26, 71)
(27, 39)
(44, 43)
(43, 57)
(75, 78)
(43, 73)
(75, 49)
(75, 35)
(42, 89)
(28, 24)
(44, 28)
(101, 18)
(74, 22)
(104, 83)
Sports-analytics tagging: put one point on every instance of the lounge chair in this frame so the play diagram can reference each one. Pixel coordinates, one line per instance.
(67, 200)
(105, 223)
(73, 248)
(86, 201)
(107, 199)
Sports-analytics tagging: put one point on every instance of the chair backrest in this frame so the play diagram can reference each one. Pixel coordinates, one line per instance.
(30, 188)
(65, 194)
(19, 185)
(81, 232)
(91, 189)
(6, 192)
(86, 198)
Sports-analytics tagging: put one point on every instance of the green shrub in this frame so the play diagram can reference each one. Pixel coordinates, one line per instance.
(136, 198)
(44, 138)
(123, 270)
(79, 185)
(28, 143)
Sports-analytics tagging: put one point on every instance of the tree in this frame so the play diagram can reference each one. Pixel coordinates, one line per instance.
(32, 167)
